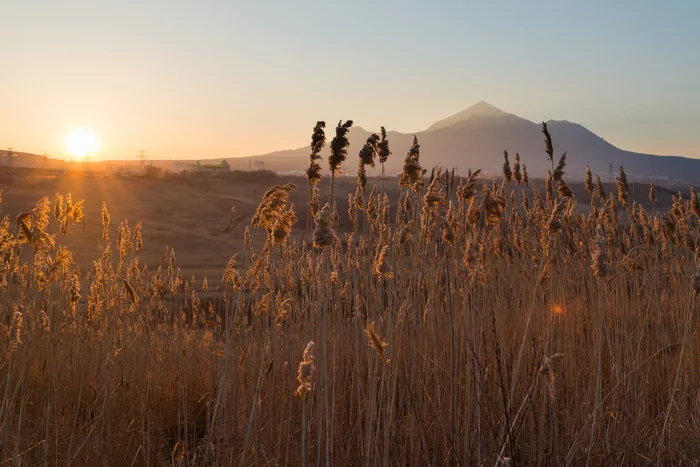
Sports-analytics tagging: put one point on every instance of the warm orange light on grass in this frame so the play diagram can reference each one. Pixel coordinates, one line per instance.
(81, 141)
(558, 309)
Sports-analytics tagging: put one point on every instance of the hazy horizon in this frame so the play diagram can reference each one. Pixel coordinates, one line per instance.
(183, 81)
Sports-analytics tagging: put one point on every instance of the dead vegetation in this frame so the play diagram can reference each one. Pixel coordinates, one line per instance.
(453, 321)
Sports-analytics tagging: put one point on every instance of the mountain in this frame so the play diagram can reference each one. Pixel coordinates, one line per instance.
(476, 137)
(479, 110)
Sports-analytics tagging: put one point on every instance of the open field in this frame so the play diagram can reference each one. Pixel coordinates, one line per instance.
(191, 215)
(452, 322)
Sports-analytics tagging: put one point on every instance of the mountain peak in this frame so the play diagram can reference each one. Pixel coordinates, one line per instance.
(480, 109)
(483, 107)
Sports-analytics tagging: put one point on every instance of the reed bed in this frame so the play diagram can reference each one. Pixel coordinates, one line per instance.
(469, 322)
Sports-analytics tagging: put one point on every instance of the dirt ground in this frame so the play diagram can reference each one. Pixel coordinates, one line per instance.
(190, 214)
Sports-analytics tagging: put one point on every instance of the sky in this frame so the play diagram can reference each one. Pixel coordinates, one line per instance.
(209, 79)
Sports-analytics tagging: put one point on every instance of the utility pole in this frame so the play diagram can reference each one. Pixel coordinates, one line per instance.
(142, 157)
(610, 172)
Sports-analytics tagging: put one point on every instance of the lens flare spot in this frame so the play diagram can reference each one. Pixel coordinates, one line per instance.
(558, 309)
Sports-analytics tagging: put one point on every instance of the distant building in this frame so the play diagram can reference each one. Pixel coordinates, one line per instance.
(211, 169)
(259, 165)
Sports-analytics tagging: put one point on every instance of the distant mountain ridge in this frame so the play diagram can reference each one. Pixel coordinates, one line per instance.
(476, 137)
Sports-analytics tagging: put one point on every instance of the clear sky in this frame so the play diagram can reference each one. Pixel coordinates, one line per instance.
(197, 79)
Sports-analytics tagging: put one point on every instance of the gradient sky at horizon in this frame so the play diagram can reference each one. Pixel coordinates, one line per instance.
(187, 79)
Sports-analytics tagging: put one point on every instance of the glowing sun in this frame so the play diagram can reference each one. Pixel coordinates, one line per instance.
(81, 141)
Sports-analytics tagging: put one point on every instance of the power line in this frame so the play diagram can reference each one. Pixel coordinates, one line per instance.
(142, 157)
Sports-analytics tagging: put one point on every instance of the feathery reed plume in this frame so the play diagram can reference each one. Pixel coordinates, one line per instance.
(564, 190)
(367, 155)
(559, 171)
(517, 174)
(381, 269)
(339, 150)
(138, 236)
(589, 181)
(315, 202)
(507, 173)
(106, 217)
(623, 189)
(600, 189)
(526, 181)
(677, 208)
(473, 213)
(549, 188)
(77, 214)
(283, 226)
(306, 370)
(272, 206)
(339, 146)
(369, 150)
(448, 234)
(435, 194)
(549, 149)
(412, 175)
(230, 275)
(467, 191)
(406, 235)
(555, 223)
(323, 233)
(74, 292)
(384, 152)
(492, 206)
(58, 208)
(171, 262)
(33, 224)
(318, 141)
(652, 193)
(376, 342)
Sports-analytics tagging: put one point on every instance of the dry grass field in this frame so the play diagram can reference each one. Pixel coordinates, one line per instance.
(446, 321)
(192, 215)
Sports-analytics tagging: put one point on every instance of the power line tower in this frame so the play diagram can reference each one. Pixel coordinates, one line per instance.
(142, 158)
(610, 173)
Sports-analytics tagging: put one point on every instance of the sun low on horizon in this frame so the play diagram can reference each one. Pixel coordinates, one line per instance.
(82, 142)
